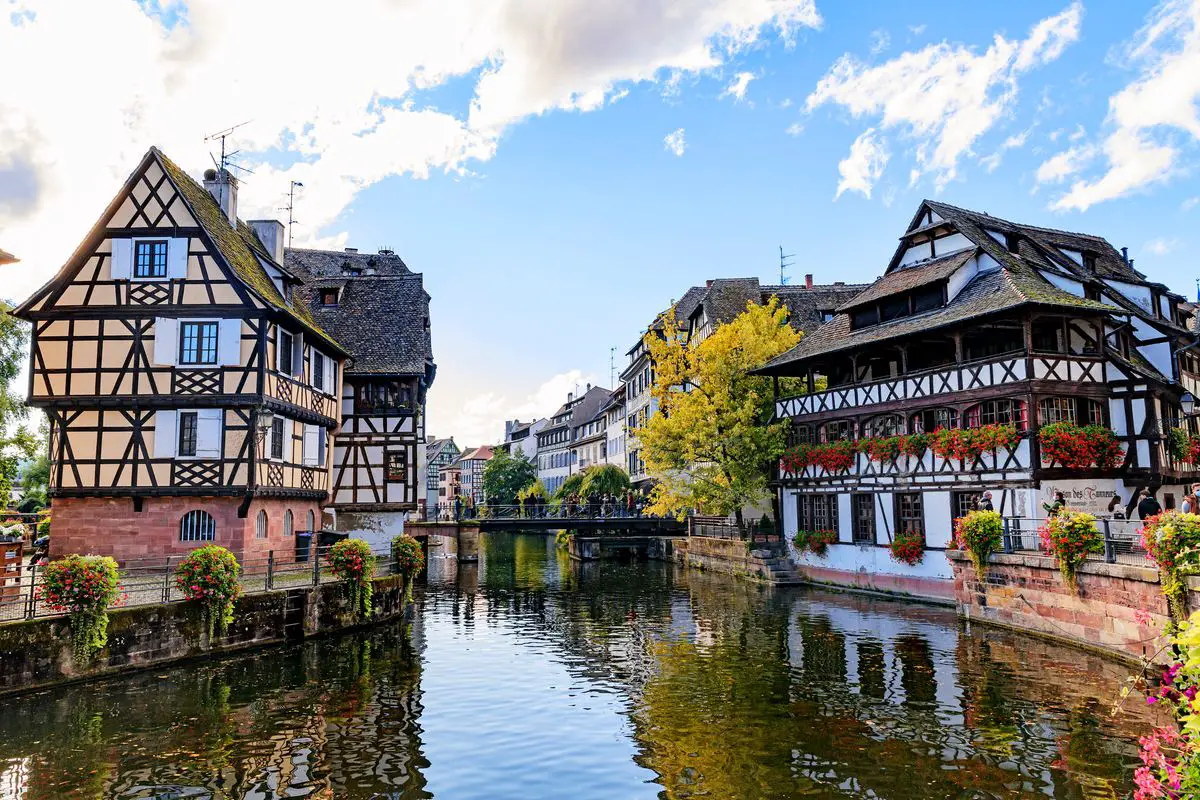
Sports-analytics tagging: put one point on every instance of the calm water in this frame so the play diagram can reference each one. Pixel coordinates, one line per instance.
(528, 676)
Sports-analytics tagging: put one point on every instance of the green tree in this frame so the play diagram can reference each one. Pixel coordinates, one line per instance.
(506, 475)
(712, 443)
(16, 440)
(605, 479)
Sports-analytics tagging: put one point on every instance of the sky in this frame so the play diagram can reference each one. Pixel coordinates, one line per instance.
(561, 171)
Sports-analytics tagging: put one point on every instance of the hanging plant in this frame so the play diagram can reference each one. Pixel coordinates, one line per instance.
(880, 449)
(409, 558)
(1078, 447)
(979, 533)
(914, 444)
(967, 444)
(1184, 446)
(829, 456)
(352, 561)
(815, 542)
(209, 576)
(908, 547)
(83, 587)
(1172, 539)
(1070, 537)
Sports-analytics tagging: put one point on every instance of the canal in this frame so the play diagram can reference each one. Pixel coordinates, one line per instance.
(529, 676)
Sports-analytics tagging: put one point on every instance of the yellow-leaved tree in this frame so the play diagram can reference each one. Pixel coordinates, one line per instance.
(711, 445)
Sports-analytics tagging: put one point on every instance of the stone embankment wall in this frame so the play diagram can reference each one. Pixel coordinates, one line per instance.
(1027, 592)
(732, 557)
(38, 653)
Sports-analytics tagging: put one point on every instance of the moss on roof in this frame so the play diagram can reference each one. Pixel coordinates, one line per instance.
(237, 246)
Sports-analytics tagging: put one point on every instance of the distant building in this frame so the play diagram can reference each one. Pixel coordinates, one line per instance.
(521, 437)
(613, 411)
(438, 453)
(554, 447)
(470, 467)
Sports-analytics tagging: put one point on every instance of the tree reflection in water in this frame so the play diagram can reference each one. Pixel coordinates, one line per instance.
(555, 678)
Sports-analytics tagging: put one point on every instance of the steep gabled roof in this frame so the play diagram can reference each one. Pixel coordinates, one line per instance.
(903, 280)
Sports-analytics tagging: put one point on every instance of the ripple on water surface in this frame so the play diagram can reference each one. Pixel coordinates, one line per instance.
(529, 676)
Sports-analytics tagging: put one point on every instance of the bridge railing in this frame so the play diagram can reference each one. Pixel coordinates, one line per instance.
(448, 512)
(725, 528)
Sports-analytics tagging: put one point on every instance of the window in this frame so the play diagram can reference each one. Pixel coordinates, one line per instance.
(310, 521)
(329, 297)
(397, 466)
(318, 370)
(284, 345)
(150, 259)
(817, 512)
(962, 503)
(931, 419)
(910, 515)
(996, 412)
(863, 506)
(260, 525)
(836, 431)
(883, 425)
(198, 342)
(187, 433)
(277, 438)
(288, 526)
(1056, 409)
(927, 299)
(197, 526)
(1048, 336)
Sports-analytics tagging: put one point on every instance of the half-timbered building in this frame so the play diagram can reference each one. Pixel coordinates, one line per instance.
(190, 393)
(379, 310)
(979, 321)
(438, 453)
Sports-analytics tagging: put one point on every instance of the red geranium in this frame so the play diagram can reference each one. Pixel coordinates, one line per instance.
(1075, 447)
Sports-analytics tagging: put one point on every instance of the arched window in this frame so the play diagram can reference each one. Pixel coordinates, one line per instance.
(1080, 410)
(197, 526)
(931, 419)
(260, 525)
(288, 523)
(883, 425)
(800, 434)
(310, 521)
(835, 431)
(996, 412)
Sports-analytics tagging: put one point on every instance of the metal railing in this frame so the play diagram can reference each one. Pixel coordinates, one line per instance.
(151, 581)
(724, 528)
(449, 512)
(1122, 539)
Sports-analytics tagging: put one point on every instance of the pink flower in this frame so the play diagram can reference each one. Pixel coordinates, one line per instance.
(1141, 616)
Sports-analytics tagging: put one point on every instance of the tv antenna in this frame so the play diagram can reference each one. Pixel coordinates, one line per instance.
(612, 364)
(290, 207)
(227, 155)
(783, 265)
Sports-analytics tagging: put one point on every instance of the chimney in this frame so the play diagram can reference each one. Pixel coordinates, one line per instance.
(708, 283)
(270, 233)
(570, 396)
(808, 281)
(351, 249)
(223, 186)
(589, 387)
(1125, 254)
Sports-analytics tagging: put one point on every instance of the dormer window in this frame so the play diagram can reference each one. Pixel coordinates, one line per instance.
(329, 297)
(352, 271)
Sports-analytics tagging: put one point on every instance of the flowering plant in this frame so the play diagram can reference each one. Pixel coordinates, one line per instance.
(1070, 536)
(1184, 446)
(969, 443)
(829, 456)
(209, 576)
(815, 542)
(409, 559)
(914, 443)
(1078, 447)
(84, 587)
(908, 547)
(979, 533)
(352, 561)
(1172, 539)
(43, 524)
(880, 448)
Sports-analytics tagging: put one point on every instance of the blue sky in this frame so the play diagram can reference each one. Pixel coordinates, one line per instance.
(552, 220)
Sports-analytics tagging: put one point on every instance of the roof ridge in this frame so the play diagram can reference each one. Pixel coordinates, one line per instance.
(985, 215)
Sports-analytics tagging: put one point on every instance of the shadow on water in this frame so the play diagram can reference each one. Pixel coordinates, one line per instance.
(530, 675)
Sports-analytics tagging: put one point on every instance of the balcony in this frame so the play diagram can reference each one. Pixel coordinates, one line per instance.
(964, 377)
(927, 467)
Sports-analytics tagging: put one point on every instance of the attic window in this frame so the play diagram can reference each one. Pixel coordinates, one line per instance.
(347, 269)
(329, 297)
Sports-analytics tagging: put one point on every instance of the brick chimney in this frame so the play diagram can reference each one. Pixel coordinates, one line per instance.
(224, 188)
(270, 233)
(808, 281)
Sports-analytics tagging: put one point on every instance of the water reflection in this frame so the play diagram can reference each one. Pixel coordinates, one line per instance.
(528, 675)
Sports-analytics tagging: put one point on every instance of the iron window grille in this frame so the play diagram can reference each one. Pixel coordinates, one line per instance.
(197, 526)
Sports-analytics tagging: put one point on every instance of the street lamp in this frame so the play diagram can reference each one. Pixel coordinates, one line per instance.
(1187, 403)
(265, 418)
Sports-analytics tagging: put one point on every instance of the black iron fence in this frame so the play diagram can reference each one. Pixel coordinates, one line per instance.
(601, 509)
(724, 528)
(1122, 539)
(151, 581)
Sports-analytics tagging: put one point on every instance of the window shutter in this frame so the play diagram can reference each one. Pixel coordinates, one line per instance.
(166, 341)
(231, 342)
(122, 259)
(165, 434)
(310, 445)
(298, 356)
(177, 257)
(322, 443)
(208, 432)
(329, 369)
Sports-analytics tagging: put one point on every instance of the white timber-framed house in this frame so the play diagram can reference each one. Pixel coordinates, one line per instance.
(978, 321)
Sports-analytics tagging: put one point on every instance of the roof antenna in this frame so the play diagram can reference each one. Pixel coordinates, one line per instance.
(612, 356)
(227, 156)
(289, 208)
(783, 265)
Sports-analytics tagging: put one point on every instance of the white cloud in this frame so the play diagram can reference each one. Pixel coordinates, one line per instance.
(480, 419)
(333, 96)
(1146, 118)
(1067, 163)
(944, 97)
(916, 30)
(737, 89)
(1079, 133)
(1016, 141)
(1189, 204)
(795, 129)
(1160, 246)
(675, 142)
(880, 41)
(859, 170)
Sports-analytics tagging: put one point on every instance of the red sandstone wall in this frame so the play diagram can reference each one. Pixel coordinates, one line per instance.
(110, 526)
(1026, 591)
